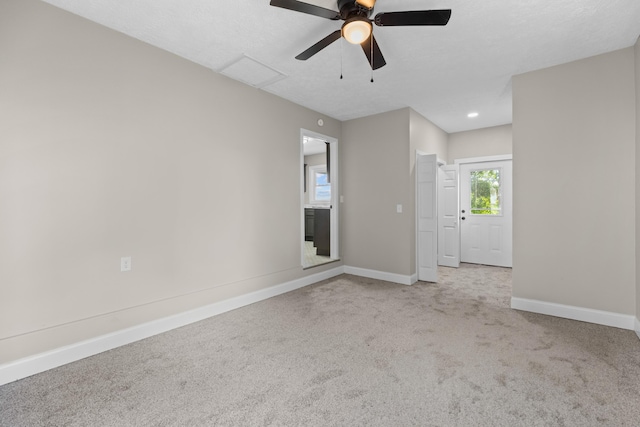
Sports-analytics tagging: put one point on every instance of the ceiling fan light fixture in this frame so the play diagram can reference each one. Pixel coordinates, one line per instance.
(356, 31)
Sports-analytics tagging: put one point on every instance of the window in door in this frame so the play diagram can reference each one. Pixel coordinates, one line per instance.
(486, 192)
(320, 185)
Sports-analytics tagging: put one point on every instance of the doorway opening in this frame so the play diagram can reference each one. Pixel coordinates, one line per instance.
(463, 213)
(319, 196)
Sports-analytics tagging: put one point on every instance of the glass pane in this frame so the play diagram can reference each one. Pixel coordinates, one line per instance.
(323, 193)
(321, 178)
(485, 192)
(323, 188)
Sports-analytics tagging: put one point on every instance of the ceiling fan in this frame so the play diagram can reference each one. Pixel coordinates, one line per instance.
(357, 28)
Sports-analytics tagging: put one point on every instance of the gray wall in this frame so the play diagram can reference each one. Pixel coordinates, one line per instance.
(492, 141)
(111, 148)
(379, 152)
(375, 178)
(574, 183)
(427, 138)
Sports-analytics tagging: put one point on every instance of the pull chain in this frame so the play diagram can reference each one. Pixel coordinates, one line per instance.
(341, 57)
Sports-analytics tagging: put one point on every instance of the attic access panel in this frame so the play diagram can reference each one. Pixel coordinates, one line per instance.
(252, 72)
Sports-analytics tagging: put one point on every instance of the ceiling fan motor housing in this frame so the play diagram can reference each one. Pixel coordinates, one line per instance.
(349, 9)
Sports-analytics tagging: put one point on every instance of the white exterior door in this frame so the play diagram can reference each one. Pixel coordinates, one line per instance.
(448, 215)
(486, 213)
(427, 216)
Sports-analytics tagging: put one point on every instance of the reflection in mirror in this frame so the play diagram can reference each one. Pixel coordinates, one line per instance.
(317, 203)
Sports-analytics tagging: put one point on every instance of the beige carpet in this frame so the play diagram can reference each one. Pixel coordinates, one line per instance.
(353, 352)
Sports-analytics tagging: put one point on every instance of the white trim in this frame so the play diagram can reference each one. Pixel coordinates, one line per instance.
(335, 199)
(497, 158)
(32, 365)
(303, 178)
(606, 318)
(414, 278)
(415, 212)
(380, 275)
(638, 327)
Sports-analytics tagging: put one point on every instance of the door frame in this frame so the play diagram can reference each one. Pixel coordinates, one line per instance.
(335, 188)
(496, 158)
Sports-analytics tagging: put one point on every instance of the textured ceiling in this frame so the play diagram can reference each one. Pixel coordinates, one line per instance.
(441, 72)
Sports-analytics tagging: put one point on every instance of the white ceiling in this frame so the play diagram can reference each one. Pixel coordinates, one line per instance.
(313, 146)
(441, 72)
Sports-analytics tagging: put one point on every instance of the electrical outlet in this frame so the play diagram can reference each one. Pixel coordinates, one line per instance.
(125, 263)
(399, 208)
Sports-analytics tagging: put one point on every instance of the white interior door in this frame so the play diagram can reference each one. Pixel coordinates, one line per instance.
(427, 216)
(448, 215)
(486, 213)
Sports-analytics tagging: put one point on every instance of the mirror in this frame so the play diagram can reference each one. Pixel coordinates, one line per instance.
(317, 201)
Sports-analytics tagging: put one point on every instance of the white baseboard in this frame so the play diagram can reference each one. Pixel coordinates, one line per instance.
(606, 318)
(638, 327)
(380, 275)
(51, 359)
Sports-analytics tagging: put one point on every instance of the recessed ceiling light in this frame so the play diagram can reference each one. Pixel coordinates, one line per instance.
(472, 115)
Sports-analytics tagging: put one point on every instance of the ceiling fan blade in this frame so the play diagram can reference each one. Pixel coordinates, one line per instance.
(320, 45)
(378, 59)
(416, 17)
(310, 9)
